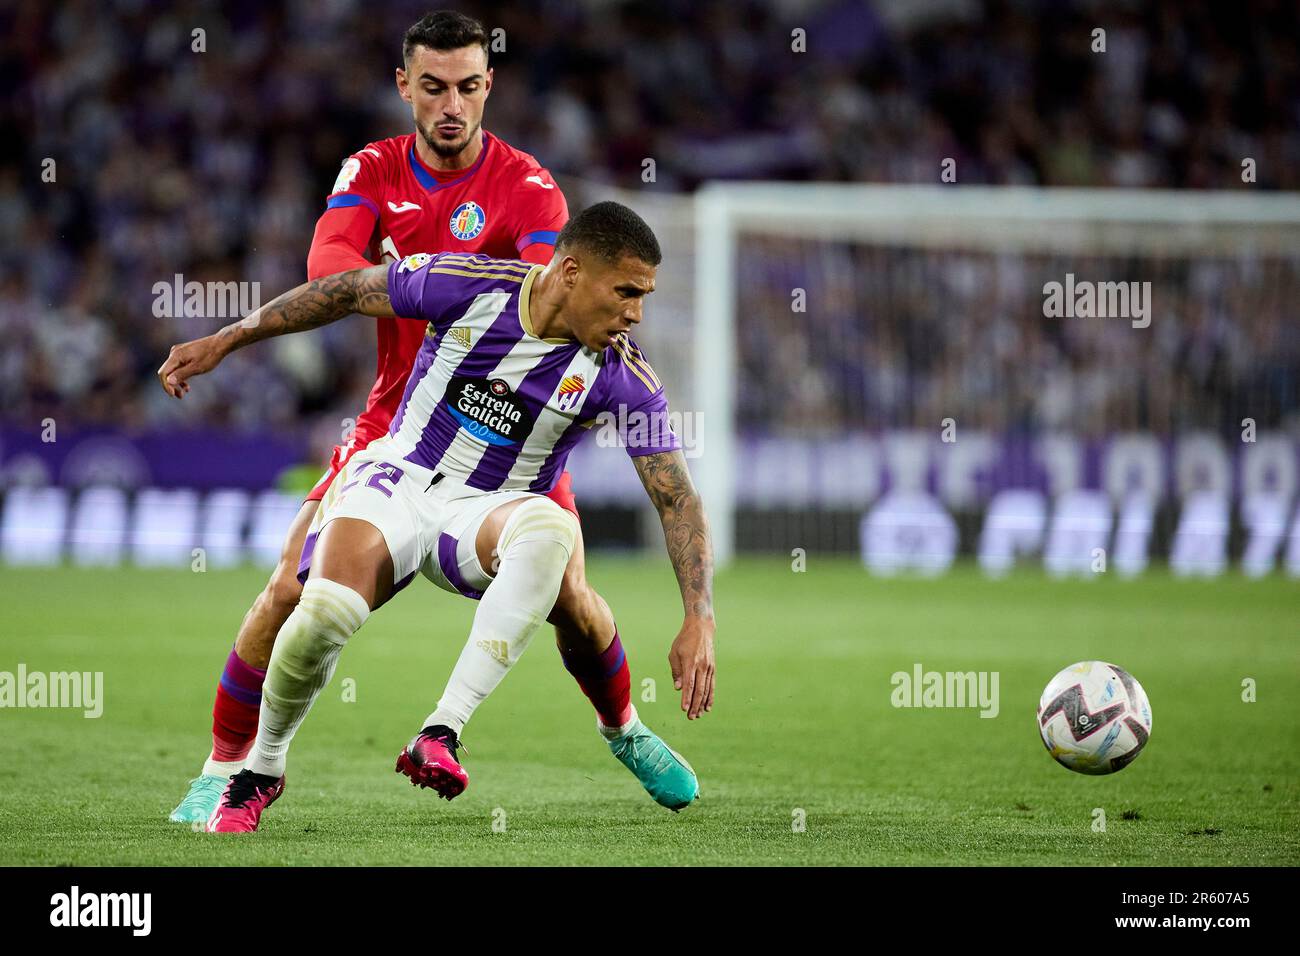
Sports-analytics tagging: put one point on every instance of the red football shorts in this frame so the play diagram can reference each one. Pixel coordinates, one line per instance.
(337, 460)
(562, 495)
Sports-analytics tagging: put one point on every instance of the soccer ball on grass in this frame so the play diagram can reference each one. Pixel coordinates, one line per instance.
(1094, 718)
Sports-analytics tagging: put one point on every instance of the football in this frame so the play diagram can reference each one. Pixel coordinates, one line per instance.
(1094, 718)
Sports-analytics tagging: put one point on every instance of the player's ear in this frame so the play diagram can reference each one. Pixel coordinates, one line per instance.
(487, 84)
(403, 87)
(569, 269)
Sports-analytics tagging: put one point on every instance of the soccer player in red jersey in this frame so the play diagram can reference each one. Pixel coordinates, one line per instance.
(450, 186)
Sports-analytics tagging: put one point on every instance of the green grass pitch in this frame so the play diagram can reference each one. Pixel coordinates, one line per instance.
(803, 722)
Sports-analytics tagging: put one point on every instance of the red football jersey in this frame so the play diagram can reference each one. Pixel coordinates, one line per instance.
(500, 206)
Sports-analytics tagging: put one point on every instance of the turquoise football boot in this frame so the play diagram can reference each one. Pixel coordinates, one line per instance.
(663, 772)
(205, 791)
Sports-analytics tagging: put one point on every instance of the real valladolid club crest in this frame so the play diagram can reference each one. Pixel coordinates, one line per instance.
(467, 221)
(570, 391)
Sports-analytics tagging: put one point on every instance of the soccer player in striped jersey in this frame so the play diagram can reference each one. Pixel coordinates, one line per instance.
(450, 186)
(518, 362)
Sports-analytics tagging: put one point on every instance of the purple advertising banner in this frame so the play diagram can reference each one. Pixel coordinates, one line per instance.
(201, 460)
(846, 471)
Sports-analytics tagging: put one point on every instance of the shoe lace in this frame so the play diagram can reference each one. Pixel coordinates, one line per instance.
(448, 737)
(644, 748)
(243, 787)
(629, 744)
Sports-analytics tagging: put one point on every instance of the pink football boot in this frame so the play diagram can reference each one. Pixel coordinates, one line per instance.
(242, 803)
(430, 761)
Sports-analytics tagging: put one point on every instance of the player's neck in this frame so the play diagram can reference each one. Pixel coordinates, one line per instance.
(450, 164)
(544, 307)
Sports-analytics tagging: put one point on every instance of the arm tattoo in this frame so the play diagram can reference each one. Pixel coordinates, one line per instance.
(312, 305)
(686, 530)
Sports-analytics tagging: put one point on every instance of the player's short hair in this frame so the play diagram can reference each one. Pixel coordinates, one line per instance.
(610, 231)
(444, 30)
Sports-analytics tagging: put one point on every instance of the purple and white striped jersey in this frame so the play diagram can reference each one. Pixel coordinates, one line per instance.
(491, 404)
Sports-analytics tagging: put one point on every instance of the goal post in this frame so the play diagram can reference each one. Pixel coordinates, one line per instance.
(714, 364)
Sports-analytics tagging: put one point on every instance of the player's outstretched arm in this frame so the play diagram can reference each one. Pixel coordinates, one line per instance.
(309, 306)
(686, 532)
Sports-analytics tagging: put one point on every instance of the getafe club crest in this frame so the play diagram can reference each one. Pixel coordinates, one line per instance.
(467, 221)
(570, 391)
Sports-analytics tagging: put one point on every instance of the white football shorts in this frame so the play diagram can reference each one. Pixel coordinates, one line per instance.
(429, 521)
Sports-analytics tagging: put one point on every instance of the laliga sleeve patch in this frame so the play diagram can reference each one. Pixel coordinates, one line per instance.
(351, 166)
(412, 263)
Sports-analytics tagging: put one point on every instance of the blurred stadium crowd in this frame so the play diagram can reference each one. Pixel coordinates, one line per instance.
(906, 338)
(215, 164)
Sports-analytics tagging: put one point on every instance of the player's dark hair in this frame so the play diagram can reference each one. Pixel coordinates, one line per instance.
(444, 30)
(609, 231)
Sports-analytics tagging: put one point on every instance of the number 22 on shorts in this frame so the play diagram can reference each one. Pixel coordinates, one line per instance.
(383, 478)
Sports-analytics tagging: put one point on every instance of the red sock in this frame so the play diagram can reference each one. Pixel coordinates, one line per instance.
(606, 681)
(235, 712)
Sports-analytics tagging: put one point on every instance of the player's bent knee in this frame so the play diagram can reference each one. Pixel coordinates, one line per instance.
(283, 590)
(539, 519)
(575, 572)
(576, 603)
(326, 617)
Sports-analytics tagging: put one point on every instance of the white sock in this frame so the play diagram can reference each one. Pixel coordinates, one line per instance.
(220, 768)
(302, 663)
(533, 549)
(612, 733)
